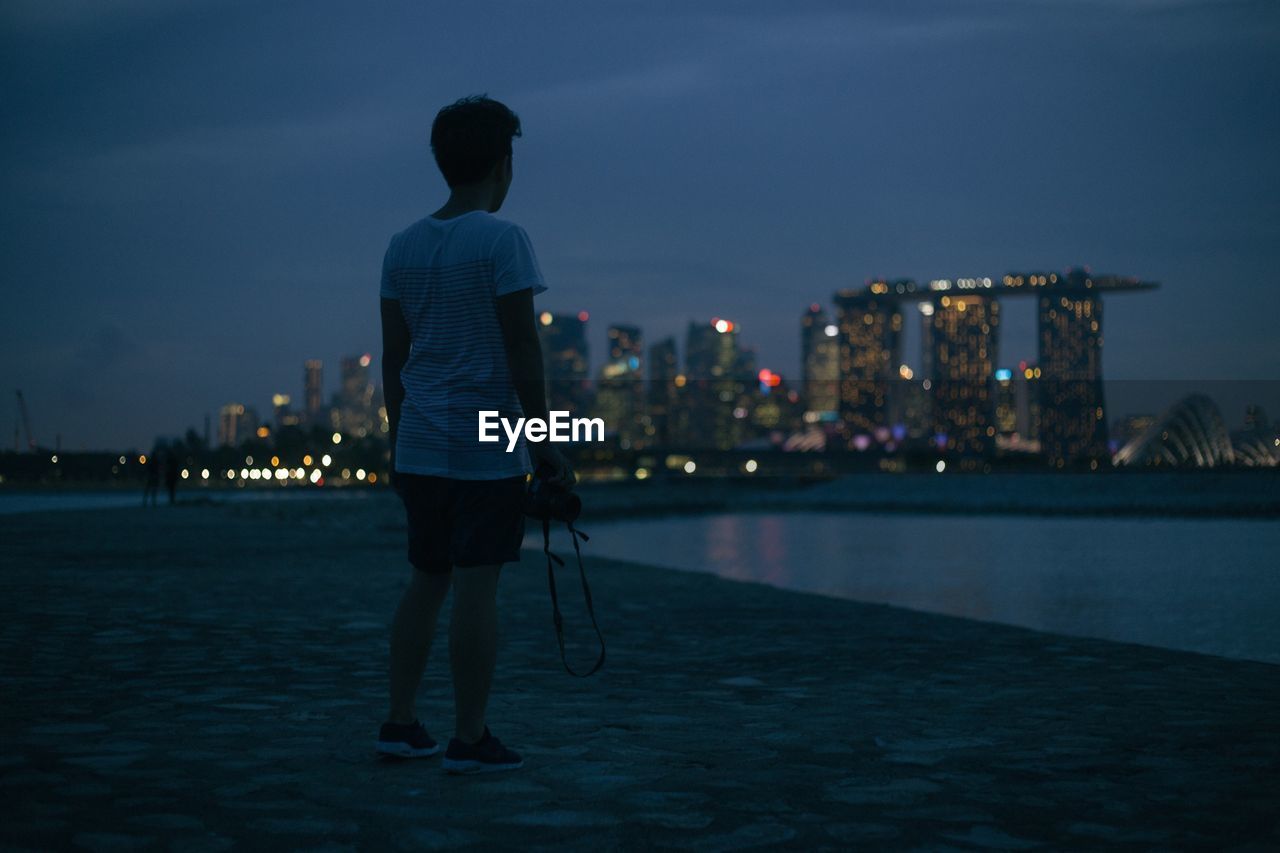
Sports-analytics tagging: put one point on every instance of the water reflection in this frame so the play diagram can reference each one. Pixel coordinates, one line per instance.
(1208, 586)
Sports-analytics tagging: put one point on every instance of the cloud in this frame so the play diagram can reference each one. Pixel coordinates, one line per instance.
(658, 82)
(108, 346)
(43, 15)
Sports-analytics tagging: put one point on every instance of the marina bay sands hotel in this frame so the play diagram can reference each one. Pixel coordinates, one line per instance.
(960, 324)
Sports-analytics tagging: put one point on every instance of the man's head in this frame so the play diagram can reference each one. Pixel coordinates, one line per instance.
(471, 141)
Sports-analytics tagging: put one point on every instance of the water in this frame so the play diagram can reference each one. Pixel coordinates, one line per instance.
(1208, 586)
(18, 502)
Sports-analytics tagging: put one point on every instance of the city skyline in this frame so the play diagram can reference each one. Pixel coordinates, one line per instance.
(678, 161)
(856, 389)
(332, 404)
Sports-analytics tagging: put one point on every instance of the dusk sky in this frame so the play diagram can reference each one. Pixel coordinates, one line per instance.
(197, 195)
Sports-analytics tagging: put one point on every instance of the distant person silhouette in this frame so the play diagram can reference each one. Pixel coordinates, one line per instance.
(459, 336)
(151, 471)
(171, 466)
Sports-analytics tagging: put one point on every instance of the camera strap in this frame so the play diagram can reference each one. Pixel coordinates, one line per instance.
(574, 533)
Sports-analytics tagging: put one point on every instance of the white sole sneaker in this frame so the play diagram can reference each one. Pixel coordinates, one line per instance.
(400, 749)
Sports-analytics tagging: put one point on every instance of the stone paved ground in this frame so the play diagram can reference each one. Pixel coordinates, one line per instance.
(211, 677)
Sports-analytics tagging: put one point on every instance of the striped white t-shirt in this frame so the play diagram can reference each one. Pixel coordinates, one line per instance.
(447, 274)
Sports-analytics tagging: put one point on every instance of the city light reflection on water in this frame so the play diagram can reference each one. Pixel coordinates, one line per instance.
(1199, 585)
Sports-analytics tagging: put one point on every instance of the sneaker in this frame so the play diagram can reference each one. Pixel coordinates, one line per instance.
(484, 756)
(406, 740)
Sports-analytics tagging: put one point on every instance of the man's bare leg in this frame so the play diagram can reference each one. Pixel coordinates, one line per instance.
(473, 646)
(411, 635)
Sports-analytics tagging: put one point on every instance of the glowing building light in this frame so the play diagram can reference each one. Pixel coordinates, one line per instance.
(55, 459)
(373, 478)
(689, 467)
(905, 372)
(275, 460)
(306, 460)
(751, 466)
(830, 331)
(326, 459)
(122, 460)
(204, 473)
(365, 360)
(1004, 374)
(142, 460)
(642, 473)
(315, 475)
(337, 438)
(940, 467)
(583, 316)
(186, 474)
(263, 432)
(545, 318)
(359, 473)
(722, 326)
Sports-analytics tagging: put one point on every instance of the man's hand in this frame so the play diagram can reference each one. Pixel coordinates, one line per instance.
(546, 454)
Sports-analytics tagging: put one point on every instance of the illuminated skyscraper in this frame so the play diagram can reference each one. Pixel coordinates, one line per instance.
(1006, 398)
(354, 414)
(313, 389)
(564, 358)
(620, 391)
(963, 338)
(236, 423)
(663, 368)
(869, 350)
(820, 365)
(284, 414)
(715, 383)
(1073, 425)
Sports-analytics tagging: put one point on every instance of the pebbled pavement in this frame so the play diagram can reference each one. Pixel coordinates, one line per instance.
(212, 677)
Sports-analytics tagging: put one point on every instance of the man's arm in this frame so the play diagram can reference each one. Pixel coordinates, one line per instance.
(524, 360)
(395, 352)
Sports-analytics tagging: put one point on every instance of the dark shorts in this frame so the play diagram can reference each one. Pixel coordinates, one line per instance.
(462, 522)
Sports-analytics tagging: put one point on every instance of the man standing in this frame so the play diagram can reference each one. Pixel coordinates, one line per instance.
(459, 337)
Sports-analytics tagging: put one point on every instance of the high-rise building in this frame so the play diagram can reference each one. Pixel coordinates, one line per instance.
(564, 357)
(715, 383)
(963, 339)
(663, 368)
(236, 422)
(354, 413)
(284, 414)
(820, 365)
(1006, 399)
(869, 350)
(1073, 424)
(313, 390)
(620, 391)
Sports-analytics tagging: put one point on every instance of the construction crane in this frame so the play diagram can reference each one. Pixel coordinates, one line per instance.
(26, 424)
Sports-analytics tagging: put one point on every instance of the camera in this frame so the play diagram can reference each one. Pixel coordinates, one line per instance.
(549, 502)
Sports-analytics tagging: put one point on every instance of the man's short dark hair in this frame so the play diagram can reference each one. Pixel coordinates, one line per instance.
(471, 136)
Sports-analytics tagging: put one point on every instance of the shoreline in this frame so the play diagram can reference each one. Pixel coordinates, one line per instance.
(1192, 495)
